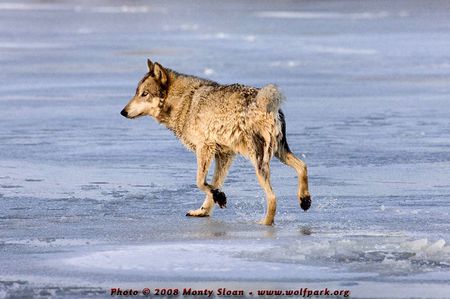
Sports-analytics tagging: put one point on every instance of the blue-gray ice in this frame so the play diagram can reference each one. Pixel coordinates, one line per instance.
(90, 200)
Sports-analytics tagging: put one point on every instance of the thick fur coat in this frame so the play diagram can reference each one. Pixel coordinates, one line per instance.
(217, 122)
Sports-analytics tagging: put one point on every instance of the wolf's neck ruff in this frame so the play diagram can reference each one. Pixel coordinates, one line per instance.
(177, 103)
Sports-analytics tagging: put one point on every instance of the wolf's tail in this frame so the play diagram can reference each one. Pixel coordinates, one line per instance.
(270, 98)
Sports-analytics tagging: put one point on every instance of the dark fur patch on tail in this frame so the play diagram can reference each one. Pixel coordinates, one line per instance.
(283, 146)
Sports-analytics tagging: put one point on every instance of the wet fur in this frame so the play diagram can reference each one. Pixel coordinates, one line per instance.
(217, 122)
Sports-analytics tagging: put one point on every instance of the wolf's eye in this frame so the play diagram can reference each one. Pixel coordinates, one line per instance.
(144, 94)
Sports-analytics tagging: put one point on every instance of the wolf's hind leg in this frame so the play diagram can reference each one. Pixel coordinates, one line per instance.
(261, 161)
(287, 157)
(300, 167)
(263, 175)
(223, 163)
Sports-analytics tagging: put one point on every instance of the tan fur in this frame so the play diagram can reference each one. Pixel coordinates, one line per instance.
(219, 121)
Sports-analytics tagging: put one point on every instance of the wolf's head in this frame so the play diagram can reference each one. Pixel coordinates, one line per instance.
(150, 93)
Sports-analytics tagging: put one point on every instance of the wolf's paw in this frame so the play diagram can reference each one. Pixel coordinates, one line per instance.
(305, 202)
(266, 222)
(202, 212)
(219, 198)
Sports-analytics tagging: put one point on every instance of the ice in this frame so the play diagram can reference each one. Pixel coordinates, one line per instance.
(342, 50)
(436, 247)
(416, 245)
(120, 9)
(208, 71)
(322, 15)
(90, 200)
(181, 260)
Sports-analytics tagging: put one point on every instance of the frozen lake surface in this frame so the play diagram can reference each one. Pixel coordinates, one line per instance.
(91, 201)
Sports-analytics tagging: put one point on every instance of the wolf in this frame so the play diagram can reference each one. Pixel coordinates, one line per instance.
(217, 122)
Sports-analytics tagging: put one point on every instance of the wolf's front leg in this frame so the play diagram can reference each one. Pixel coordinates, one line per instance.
(223, 163)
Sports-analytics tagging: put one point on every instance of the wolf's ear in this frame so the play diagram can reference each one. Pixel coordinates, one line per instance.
(160, 73)
(150, 66)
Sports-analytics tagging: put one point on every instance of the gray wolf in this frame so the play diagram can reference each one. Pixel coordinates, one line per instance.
(217, 122)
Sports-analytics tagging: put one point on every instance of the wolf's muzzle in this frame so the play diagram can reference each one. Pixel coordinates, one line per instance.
(124, 113)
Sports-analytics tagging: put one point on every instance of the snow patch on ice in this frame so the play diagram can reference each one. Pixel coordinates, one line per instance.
(342, 50)
(221, 35)
(250, 38)
(31, 45)
(120, 9)
(183, 260)
(423, 248)
(287, 64)
(322, 15)
(364, 253)
(29, 6)
(370, 254)
(208, 71)
(182, 27)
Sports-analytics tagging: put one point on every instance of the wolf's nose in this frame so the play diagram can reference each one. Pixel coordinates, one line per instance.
(124, 113)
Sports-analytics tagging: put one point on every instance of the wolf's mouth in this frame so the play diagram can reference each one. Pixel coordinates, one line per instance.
(135, 116)
(125, 113)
